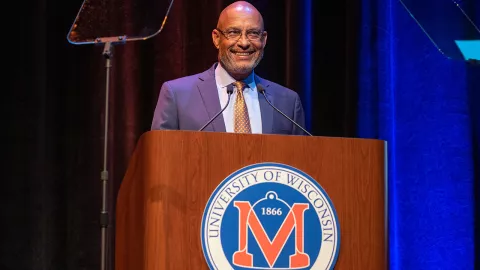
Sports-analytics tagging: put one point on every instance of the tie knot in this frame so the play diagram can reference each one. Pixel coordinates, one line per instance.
(239, 85)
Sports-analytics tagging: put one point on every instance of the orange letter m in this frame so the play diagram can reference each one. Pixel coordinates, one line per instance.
(271, 249)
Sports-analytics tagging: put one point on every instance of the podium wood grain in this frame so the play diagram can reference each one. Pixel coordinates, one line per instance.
(172, 174)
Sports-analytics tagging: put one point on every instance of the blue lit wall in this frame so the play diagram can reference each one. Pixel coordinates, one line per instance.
(418, 100)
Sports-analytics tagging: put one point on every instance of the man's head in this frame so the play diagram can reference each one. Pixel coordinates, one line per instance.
(240, 39)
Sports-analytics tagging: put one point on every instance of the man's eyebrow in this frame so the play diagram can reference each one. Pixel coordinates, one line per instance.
(238, 29)
(232, 28)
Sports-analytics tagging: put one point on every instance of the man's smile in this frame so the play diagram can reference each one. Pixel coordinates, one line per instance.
(242, 55)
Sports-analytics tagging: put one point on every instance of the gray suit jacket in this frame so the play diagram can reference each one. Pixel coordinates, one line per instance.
(190, 102)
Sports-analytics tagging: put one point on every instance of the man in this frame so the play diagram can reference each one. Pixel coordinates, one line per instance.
(189, 103)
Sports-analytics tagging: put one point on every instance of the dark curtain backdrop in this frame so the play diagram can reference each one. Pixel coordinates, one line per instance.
(54, 99)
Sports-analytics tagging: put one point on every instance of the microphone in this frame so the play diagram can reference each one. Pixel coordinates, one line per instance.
(261, 89)
(229, 92)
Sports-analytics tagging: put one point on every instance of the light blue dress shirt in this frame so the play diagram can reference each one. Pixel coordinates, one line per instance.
(223, 79)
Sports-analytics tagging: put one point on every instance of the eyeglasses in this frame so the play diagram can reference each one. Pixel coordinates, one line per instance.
(235, 34)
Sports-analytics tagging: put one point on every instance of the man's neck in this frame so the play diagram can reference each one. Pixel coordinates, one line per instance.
(238, 77)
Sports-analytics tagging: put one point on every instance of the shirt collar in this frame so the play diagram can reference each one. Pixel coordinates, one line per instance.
(223, 78)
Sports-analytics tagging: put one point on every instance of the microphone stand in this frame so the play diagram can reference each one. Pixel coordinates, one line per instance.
(262, 91)
(229, 92)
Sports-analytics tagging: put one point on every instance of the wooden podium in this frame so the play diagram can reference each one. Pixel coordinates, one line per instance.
(173, 173)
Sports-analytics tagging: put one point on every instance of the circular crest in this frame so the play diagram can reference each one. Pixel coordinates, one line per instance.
(270, 216)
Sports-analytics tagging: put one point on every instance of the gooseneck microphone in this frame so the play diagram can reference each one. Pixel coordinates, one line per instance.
(229, 92)
(261, 89)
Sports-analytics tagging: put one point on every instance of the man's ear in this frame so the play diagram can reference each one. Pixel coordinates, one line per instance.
(265, 38)
(215, 38)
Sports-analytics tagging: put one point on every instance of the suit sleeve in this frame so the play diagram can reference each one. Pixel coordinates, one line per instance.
(298, 116)
(166, 115)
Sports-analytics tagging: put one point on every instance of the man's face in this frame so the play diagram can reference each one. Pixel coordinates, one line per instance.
(240, 40)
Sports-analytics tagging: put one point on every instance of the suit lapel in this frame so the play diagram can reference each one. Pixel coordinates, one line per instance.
(265, 109)
(209, 93)
(207, 88)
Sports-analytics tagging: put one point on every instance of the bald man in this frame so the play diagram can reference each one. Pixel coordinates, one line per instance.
(189, 103)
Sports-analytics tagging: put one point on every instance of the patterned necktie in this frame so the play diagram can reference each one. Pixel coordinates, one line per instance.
(241, 120)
